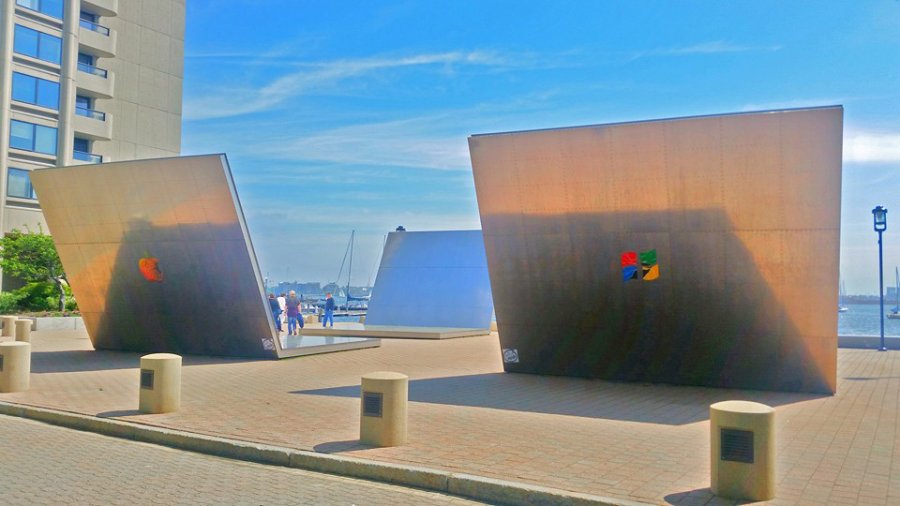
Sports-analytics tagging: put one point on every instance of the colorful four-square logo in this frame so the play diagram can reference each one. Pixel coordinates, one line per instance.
(648, 271)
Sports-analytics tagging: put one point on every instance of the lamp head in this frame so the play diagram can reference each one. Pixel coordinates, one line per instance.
(879, 216)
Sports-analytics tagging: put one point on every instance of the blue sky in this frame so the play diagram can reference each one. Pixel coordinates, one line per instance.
(354, 115)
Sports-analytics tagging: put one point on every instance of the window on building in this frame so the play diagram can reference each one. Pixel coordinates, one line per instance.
(18, 184)
(87, 16)
(82, 145)
(49, 7)
(82, 102)
(42, 46)
(86, 59)
(31, 137)
(33, 90)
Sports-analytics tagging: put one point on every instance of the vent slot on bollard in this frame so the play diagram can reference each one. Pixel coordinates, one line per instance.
(1, 363)
(737, 445)
(373, 403)
(147, 379)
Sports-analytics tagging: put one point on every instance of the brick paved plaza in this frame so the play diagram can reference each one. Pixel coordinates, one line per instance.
(640, 442)
(65, 466)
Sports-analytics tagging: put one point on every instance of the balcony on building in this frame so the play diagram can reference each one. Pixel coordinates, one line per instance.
(92, 124)
(107, 8)
(83, 158)
(96, 39)
(94, 82)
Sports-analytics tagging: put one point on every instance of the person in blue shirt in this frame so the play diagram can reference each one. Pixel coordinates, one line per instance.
(295, 319)
(276, 310)
(329, 310)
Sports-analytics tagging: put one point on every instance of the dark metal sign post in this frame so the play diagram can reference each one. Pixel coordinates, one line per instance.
(879, 216)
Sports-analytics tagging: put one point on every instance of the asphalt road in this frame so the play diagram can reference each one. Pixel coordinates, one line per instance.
(45, 464)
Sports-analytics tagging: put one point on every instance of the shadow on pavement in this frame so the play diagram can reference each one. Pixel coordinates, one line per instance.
(100, 360)
(697, 496)
(636, 402)
(121, 412)
(341, 446)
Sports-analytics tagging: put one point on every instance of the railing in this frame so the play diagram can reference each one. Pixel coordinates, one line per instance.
(94, 27)
(90, 113)
(87, 157)
(90, 69)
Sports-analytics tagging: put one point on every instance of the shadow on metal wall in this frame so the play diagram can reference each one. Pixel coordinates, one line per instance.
(710, 319)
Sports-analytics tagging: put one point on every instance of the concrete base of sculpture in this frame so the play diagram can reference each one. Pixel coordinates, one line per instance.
(742, 441)
(383, 409)
(15, 366)
(23, 330)
(298, 346)
(160, 390)
(395, 332)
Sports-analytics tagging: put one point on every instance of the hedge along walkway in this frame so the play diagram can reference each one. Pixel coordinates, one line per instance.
(636, 442)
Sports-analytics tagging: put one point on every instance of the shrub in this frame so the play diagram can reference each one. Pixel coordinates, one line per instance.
(9, 302)
(40, 296)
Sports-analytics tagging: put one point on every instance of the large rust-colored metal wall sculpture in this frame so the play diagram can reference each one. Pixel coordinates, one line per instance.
(159, 258)
(699, 251)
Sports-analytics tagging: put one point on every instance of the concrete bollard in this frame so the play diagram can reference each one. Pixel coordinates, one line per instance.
(362, 319)
(384, 402)
(493, 326)
(742, 440)
(15, 366)
(313, 319)
(9, 326)
(23, 330)
(160, 390)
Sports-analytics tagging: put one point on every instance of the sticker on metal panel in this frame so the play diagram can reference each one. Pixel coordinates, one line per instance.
(268, 344)
(510, 356)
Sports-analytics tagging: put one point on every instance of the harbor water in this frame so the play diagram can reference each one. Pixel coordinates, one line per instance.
(862, 320)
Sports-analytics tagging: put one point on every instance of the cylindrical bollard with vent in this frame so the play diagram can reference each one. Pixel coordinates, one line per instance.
(23, 330)
(742, 439)
(9, 326)
(160, 383)
(384, 404)
(15, 366)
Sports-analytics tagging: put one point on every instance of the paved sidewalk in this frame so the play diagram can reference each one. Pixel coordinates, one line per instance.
(638, 442)
(43, 464)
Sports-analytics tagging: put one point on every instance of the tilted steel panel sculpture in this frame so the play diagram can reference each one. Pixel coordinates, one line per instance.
(432, 279)
(699, 251)
(160, 260)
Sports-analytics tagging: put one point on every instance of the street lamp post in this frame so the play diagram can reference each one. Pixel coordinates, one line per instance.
(879, 216)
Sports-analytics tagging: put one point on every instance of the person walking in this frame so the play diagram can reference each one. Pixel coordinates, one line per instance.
(281, 304)
(329, 310)
(293, 314)
(276, 311)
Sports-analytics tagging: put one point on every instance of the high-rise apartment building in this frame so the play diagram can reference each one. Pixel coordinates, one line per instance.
(84, 81)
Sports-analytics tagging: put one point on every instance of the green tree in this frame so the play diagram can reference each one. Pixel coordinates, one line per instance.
(32, 256)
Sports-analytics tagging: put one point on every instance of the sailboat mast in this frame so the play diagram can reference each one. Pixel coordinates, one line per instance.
(350, 268)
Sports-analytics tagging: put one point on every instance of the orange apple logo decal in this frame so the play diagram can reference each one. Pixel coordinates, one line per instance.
(149, 267)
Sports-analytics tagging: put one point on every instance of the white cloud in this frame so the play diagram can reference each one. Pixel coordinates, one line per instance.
(861, 146)
(316, 76)
(404, 143)
(712, 47)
